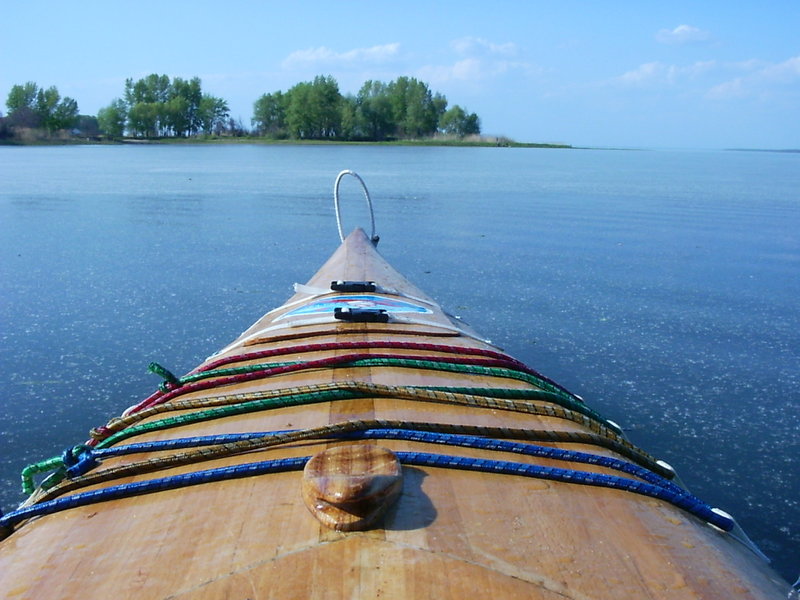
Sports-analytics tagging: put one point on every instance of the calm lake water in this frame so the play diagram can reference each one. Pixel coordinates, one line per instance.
(662, 286)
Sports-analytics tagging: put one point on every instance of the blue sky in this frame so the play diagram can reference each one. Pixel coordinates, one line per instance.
(702, 74)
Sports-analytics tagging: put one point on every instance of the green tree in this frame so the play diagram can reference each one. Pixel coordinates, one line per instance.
(111, 119)
(176, 116)
(472, 125)
(46, 104)
(375, 114)
(87, 125)
(415, 110)
(158, 106)
(349, 128)
(404, 108)
(439, 105)
(450, 122)
(213, 114)
(299, 112)
(22, 96)
(313, 109)
(184, 106)
(64, 115)
(457, 121)
(269, 114)
(150, 89)
(32, 106)
(143, 118)
(146, 100)
(325, 95)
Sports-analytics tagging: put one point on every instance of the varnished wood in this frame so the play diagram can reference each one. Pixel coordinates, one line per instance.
(349, 488)
(450, 534)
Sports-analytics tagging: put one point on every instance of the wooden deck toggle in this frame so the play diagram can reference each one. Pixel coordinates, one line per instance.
(349, 488)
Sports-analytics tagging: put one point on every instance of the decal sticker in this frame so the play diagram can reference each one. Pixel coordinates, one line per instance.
(328, 305)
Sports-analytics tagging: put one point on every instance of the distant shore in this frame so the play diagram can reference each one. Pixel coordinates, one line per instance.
(790, 150)
(482, 142)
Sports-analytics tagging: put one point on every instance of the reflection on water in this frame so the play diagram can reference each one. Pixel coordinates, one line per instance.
(661, 286)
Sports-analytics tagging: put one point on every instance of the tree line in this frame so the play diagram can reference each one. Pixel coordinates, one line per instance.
(157, 106)
(402, 109)
(32, 107)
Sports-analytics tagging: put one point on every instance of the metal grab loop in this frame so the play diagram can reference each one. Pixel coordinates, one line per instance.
(373, 236)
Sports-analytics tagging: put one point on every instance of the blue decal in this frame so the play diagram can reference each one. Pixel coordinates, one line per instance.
(328, 305)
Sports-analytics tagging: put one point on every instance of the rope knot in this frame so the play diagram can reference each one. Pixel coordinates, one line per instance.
(84, 462)
(68, 457)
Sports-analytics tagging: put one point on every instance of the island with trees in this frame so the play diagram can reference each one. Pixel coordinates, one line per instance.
(402, 109)
(160, 108)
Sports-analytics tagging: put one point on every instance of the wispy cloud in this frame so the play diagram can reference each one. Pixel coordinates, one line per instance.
(323, 56)
(478, 60)
(682, 34)
(657, 73)
(760, 80)
(716, 80)
(786, 72)
(470, 70)
(647, 72)
(476, 45)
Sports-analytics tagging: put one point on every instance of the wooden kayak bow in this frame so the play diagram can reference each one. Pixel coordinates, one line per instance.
(358, 442)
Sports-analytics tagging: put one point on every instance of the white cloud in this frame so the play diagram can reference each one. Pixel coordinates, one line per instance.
(464, 70)
(644, 73)
(716, 80)
(479, 60)
(760, 79)
(727, 90)
(467, 69)
(476, 45)
(324, 56)
(786, 72)
(657, 73)
(474, 70)
(654, 74)
(682, 34)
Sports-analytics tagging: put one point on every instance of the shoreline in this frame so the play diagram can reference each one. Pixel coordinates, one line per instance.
(482, 143)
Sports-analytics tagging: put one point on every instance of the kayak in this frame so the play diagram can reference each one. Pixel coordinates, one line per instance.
(360, 442)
